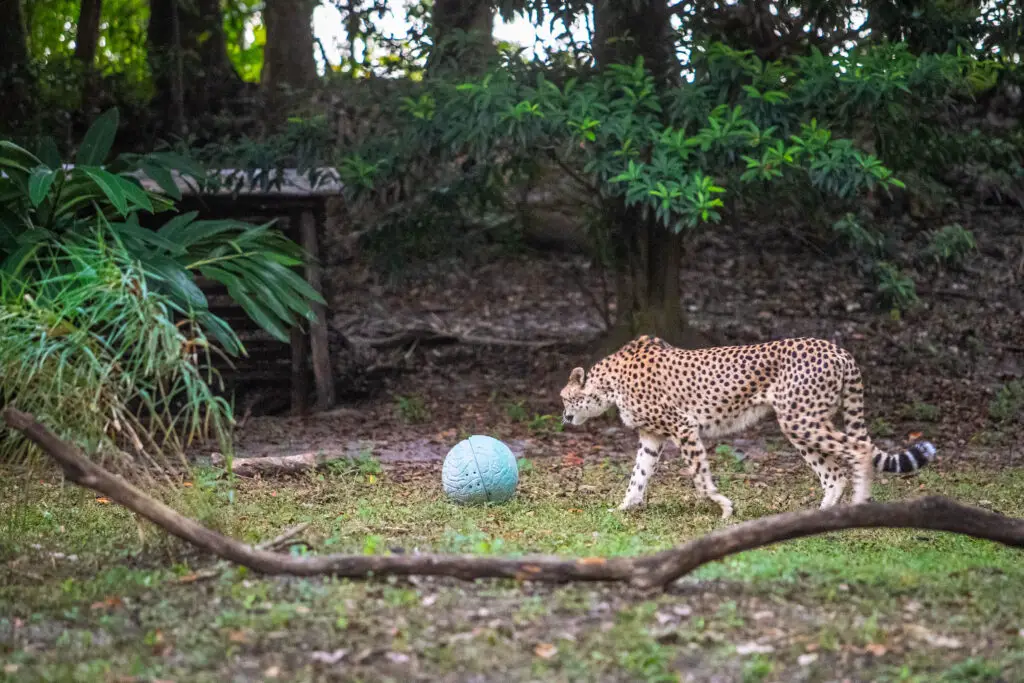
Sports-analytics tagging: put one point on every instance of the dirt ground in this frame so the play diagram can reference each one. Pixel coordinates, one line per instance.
(935, 370)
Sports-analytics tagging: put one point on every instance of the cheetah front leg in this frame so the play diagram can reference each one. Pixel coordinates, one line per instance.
(695, 460)
(647, 456)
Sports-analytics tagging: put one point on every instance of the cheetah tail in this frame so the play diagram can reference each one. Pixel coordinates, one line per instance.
(914, 458)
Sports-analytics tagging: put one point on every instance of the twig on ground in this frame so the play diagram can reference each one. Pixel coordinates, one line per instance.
(214, 571)
(284, 538)
(650, 571)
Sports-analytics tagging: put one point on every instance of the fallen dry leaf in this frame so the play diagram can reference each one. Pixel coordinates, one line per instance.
(753, 648)
(237, 636)
(932, 638)
(807, 659)
(876, 649)
(103, 500)
(110, 601)
(328, 657)
(545, 650)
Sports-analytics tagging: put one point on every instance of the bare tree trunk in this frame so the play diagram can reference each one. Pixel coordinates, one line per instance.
(648, 259)
(187, 37)
(88, 35)
(646, 571)
(13, 42)
(15, 79)
(461, 31)
(288, 56)
(648, 255)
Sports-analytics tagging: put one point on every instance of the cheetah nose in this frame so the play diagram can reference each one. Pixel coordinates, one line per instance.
(566, 418)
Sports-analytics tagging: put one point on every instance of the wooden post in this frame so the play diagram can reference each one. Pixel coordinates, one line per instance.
(323, 373)
(300, 385)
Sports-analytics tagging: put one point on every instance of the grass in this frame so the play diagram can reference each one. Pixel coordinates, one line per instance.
(871, 605)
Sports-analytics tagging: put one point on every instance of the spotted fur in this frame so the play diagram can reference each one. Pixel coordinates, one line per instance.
(667, 393)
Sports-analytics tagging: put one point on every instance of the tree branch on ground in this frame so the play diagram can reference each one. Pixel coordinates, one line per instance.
(427, 336)
(933, 513)
(277, 465)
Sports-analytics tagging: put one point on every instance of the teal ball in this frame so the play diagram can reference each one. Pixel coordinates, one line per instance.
(480, 469)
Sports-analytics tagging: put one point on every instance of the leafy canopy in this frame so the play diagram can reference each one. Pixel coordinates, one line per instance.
(677, 152)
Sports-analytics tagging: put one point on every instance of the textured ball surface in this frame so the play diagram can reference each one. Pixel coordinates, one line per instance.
(480, 469)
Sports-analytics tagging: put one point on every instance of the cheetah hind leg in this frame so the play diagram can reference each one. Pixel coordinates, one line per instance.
(695, 459)
(647, 456)
(856, 453)
(830, 474)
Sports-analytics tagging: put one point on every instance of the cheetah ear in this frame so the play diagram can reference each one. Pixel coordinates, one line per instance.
(576, 376)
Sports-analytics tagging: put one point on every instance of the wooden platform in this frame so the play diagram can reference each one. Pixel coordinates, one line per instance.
(299, 210)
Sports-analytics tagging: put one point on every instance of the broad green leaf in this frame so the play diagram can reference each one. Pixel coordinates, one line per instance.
(98, 140)
(273, 291)
(189, 235)
(108, 183)
(178, 281)
(162, 177)
(149, 237)
(177, 162)
(172, 229)
(14, 156)
(39, 184)
(48, 152)
(133, 192)
(295, 282)
(15, 261)
(268, 295)
(221, 331)
(260, 315)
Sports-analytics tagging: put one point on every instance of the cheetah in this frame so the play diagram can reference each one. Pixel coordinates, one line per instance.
(667, 393)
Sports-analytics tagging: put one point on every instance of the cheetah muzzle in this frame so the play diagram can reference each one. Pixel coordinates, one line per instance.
(667, 393)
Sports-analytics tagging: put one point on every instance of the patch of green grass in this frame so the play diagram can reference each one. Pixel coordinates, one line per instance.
(757, 669)
(1008, 405)
(412, 409)
(517, 412)
(923, 412)
(366, 464)
(545, 424)
(127, 601)
(882, 427)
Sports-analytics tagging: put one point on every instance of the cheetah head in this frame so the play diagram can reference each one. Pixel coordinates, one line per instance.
(582, 402)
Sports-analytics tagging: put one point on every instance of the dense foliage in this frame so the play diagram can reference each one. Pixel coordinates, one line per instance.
(102, 320)
(812, 132)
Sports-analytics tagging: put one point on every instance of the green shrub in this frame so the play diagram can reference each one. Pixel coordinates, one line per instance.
(44, 202)
(950, 245)
(96, 355)
(895, 288)
(105, 335)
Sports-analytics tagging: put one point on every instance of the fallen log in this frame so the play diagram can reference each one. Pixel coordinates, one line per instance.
(275, 465)
(933, 513)
(431, 337)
